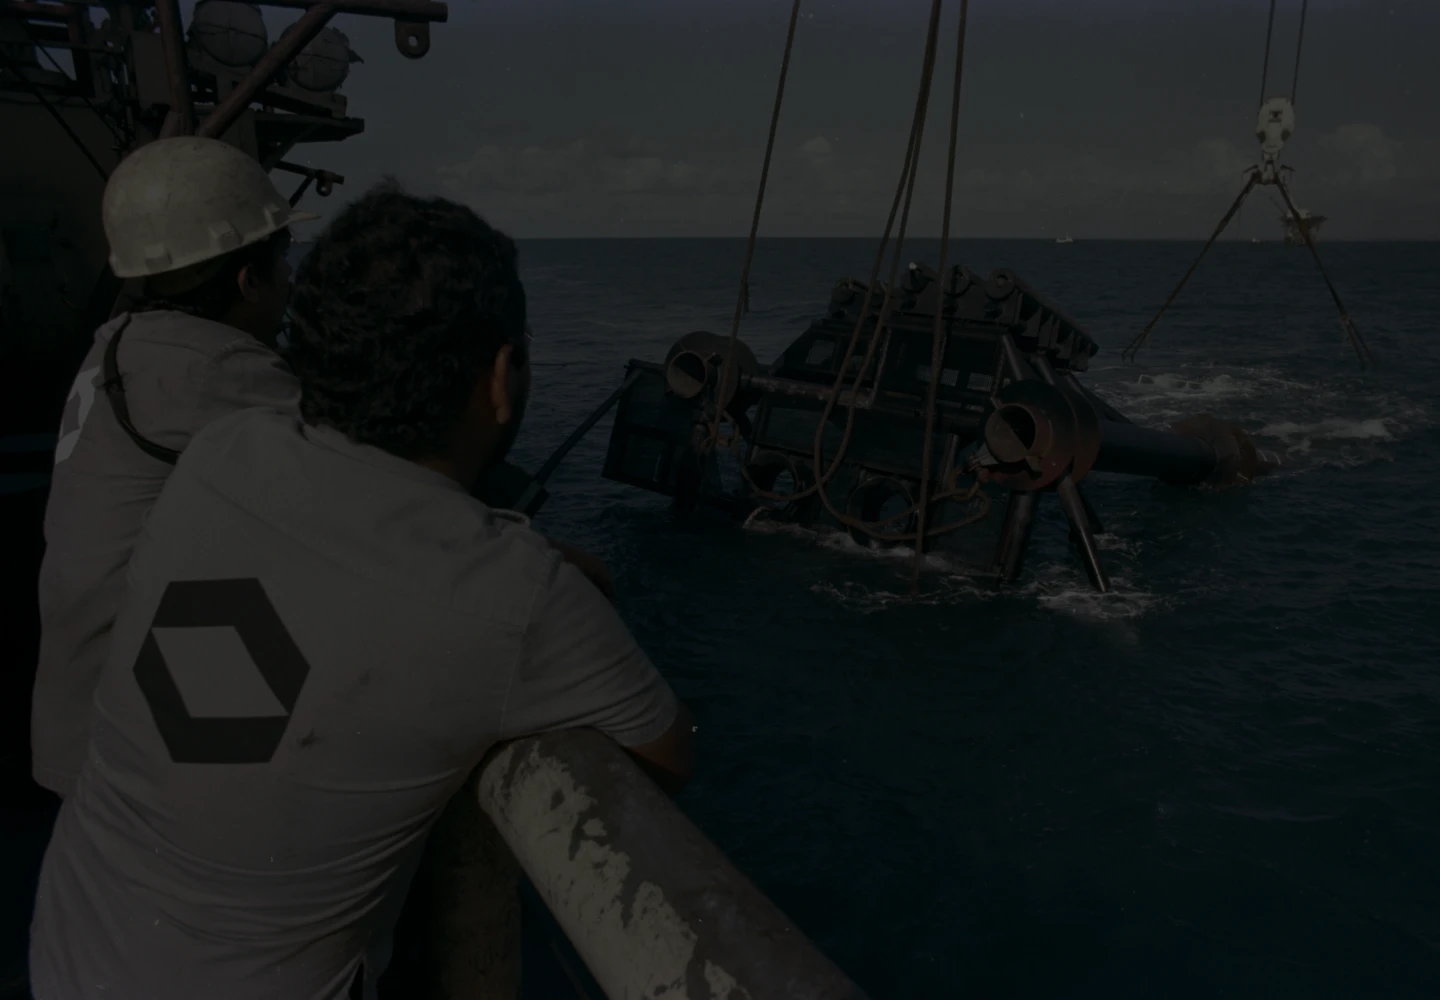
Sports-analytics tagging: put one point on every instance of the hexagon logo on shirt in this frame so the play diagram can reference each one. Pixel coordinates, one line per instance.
(220, 672)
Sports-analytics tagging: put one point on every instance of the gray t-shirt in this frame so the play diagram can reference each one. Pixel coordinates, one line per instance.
(180, 372)
(321, 642)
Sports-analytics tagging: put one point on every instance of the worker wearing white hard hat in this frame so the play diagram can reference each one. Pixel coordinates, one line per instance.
(204, 231)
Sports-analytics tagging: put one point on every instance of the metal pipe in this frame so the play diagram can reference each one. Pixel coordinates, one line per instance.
(651, 905)
(286, 48)
(1139, 451)
(180, 120)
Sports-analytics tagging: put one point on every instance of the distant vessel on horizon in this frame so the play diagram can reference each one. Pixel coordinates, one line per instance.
(1064, 239)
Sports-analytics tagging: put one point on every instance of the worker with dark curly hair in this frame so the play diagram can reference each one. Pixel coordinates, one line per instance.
(325, 634)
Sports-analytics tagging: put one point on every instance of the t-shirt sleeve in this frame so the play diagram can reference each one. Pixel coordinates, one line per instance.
(580, 666)
(247, 374)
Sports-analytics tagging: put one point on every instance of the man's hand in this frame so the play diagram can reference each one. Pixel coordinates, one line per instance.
(592, 567)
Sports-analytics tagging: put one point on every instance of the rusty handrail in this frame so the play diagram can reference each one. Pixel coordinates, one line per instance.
(651, 905)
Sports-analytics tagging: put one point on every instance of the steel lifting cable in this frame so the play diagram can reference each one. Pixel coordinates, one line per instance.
(1265, 65)
(938, 341)
(903, 190)
(1362, 349)
(912, 166)
(973, 491)
(742, 300)
(1299, 45)
(1128, 354)
(870, 527)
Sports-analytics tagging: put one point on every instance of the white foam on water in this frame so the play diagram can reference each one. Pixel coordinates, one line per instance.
(1060, 588)
(1056, 589)
(1067, 590)
(950, 592)
(1300, 437)
(840, 541)
(1342, 422)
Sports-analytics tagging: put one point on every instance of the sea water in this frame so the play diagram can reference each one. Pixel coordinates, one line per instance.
(1220, 779)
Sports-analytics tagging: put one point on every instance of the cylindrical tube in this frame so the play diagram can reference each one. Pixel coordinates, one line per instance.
(1138, 451)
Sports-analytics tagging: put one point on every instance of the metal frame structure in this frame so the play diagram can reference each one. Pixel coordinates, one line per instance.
(1012, 421)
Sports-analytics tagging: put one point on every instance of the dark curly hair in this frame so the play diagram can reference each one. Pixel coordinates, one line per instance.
(399, 307)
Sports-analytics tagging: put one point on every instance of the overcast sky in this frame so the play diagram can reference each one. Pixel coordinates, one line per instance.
(1096, 118)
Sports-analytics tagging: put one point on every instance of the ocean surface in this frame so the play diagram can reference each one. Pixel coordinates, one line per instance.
(1221, 780)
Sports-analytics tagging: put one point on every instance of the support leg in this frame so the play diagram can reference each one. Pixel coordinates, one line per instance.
(1015, 536)
(1096, 525)
(1074, 506)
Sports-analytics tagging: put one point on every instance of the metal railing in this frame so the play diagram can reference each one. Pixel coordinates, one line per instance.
(651, 906)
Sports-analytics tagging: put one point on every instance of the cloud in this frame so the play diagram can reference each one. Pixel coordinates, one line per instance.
(608, 163)
(844, 182)
(1221, 160)
(1359, 159)
(1361, 154)
(821, 184)
(817, 150)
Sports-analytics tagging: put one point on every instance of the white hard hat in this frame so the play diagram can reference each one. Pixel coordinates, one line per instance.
(177, 202)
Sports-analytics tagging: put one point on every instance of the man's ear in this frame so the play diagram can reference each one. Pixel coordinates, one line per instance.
(246, 281)
(500, 378)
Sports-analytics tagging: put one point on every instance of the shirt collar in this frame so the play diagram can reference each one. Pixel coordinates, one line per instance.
(337, 441)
